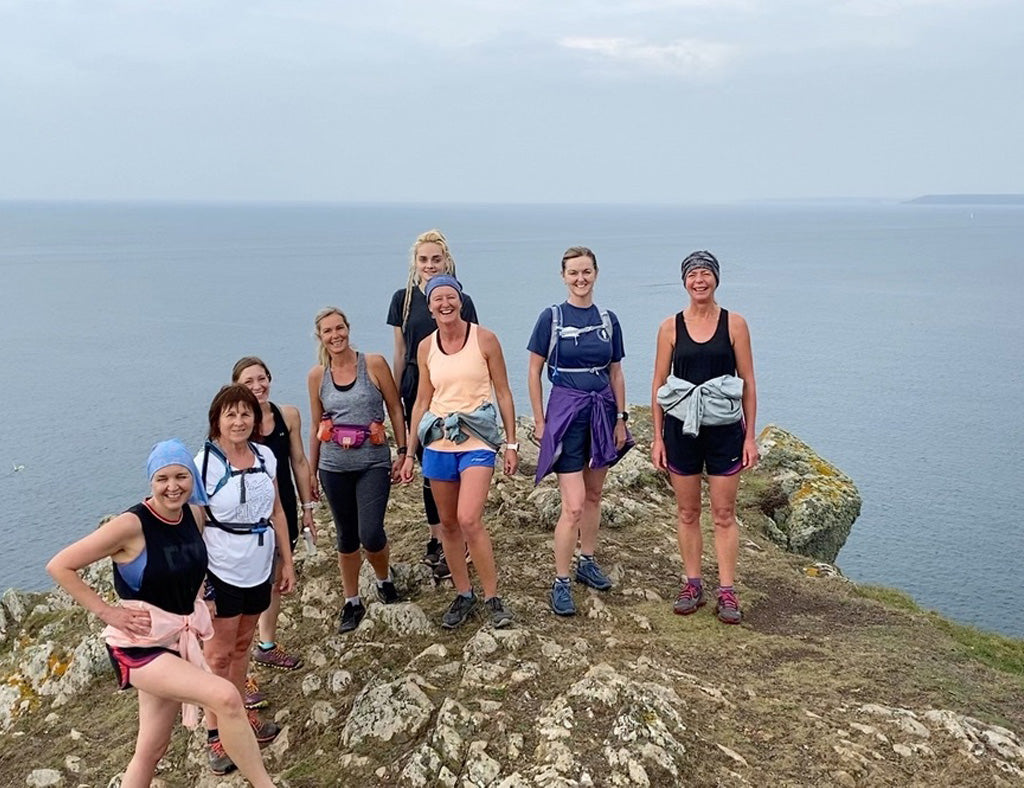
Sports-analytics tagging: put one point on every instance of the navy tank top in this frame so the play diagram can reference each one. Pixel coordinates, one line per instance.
(174, 563)
(699, 362)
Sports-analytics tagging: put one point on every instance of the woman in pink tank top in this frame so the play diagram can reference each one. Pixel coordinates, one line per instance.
(454, 419)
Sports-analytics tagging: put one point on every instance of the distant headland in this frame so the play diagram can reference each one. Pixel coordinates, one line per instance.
(968, 199)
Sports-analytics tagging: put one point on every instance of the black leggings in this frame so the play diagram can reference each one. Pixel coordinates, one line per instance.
(410, 384)
(358, 500)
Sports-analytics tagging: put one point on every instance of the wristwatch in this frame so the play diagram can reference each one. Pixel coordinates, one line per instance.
(623, 415)
(513, 446)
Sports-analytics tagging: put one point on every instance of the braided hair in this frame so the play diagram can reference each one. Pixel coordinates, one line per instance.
(429, 237)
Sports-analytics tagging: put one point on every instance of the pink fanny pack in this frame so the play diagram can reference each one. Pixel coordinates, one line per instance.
(352, 436)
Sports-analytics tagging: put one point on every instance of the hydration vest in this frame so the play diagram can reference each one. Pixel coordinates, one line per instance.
(235, 528)
(559, 331)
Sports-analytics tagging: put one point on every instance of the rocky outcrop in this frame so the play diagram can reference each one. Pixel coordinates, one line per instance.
(623, 694)
(812, 504)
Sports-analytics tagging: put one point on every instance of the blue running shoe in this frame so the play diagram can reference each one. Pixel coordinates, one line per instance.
(590, 574)
(561, 599)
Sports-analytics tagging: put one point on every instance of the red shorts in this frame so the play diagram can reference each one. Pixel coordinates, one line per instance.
(124, 659)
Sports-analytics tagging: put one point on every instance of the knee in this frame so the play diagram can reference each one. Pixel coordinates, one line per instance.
(225, 700)
(471, 526)
(218, 660)
(688, 517)
(593, 497)
(724, 516)
(152, 750)
(375, 542)
(572, 511)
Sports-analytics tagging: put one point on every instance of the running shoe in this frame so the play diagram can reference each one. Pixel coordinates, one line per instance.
(387, 593)
(219, 761)
(501, 616)
(351, 617)
(590, 574)
(690, 599)
(254, 699)
(727, 608)
(274, 657)
(433, 553)
(441, 570)
(561, 599)
(459, 610)
(265, 732)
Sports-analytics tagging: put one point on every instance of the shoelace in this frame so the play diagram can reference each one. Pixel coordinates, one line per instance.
(728, 599)
(689, 591)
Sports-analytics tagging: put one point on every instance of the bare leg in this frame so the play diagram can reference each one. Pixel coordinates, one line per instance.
(268, 618)
(593, 479)
(572, 489)
(172, 678)
(474, 484)
(348, 564)
(156, 722)
(691, 542)
(380, 561)
(446, 496)
(242, 651)
(218, 651)
(727, 532)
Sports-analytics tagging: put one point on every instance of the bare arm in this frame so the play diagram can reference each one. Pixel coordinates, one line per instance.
(316, 412)
(491, 349)
(662, 365)
(618, 384)
(424, 393)
(284, 545)
(740, 334)
(536, 387)
(300, 466)
(398, 358)
(121, 539)
(377, 368)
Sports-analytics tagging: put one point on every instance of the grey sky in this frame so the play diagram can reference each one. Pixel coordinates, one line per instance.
(518, 100)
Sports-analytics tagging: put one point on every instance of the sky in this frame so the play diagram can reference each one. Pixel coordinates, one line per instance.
(536, 101)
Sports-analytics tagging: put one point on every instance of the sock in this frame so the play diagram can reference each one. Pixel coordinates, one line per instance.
(355, 601)
(466, 594)
(266, 645)
(726, 588)
(212, 734)
(560, 579)
(584, 558)
(696, 581)
(380, 583)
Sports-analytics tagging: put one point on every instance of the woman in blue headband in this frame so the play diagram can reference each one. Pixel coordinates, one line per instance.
(152, 636)
(704, 403)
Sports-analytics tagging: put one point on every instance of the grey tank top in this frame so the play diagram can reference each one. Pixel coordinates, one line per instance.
(357, 404)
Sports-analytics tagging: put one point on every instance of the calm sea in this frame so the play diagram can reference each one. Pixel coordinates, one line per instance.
(889, 337)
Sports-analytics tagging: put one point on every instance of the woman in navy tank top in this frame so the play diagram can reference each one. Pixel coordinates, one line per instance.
(159, 562)
(704, 352)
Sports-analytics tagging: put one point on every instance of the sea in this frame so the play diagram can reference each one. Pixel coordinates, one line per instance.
(888, 336)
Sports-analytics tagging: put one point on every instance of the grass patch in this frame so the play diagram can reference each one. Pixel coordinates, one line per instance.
(997, 651)
(890, 597)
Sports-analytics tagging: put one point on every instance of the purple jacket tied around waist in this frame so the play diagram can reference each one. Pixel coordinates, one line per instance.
(564, 405)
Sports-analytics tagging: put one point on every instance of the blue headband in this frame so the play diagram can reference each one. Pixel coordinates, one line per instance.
(173, 452)
(442, 280)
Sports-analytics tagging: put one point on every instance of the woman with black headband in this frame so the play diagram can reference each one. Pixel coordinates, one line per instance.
(703, 406)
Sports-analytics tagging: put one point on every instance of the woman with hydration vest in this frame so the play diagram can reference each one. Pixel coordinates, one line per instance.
(245, 524)
(583, 430)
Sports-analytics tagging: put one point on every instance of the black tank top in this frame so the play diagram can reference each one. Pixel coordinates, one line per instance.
(175, 562)
(699, 362)
(279, 442)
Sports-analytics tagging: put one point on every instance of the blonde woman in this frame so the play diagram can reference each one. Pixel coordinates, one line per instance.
(412, 321)
(348, 393)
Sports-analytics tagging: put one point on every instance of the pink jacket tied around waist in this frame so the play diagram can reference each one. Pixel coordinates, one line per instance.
(173, 631)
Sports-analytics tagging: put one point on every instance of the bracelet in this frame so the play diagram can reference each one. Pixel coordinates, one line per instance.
(402, 450)
(307, 505)
(512, 446)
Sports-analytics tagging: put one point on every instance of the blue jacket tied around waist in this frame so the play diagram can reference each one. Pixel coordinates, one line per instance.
(715, 402)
